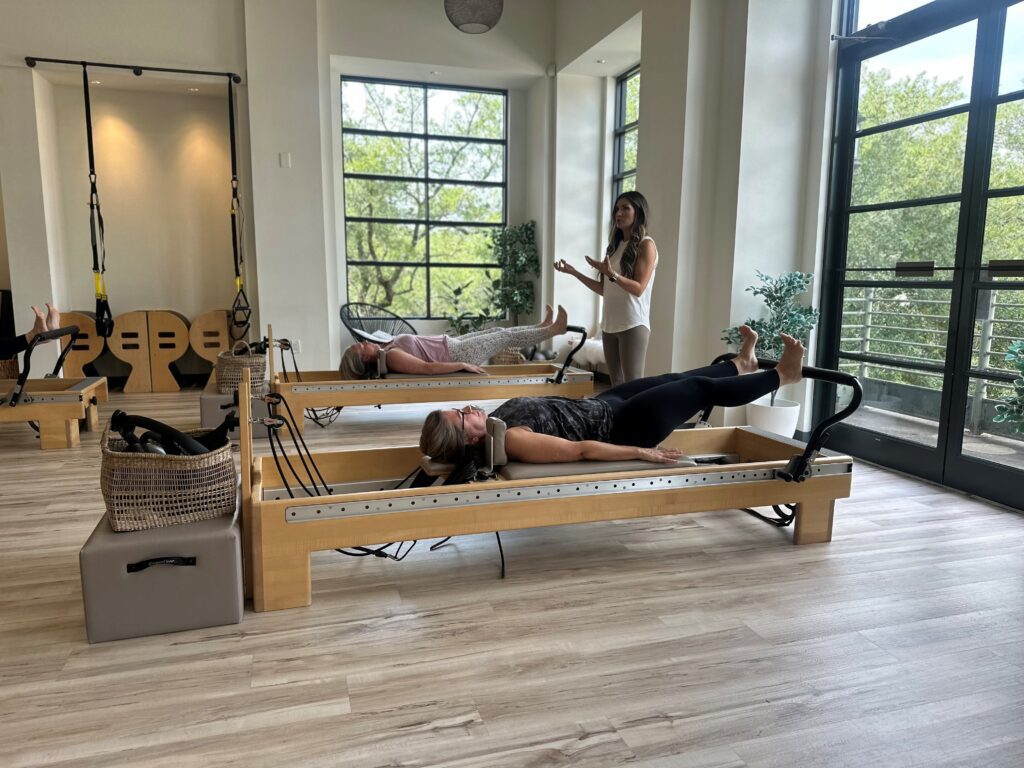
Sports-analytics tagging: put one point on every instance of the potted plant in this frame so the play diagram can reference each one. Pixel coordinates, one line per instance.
(1011, 410)
(515, 253)
(785, 315)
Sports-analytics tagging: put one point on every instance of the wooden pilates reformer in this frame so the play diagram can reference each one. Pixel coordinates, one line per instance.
(52, 405)
(307, 390)
(365, 506)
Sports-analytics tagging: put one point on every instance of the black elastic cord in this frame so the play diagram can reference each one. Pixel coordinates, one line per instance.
(104, 319)
(322, 417)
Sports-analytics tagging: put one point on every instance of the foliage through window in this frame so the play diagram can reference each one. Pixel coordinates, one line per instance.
(627, 131)
(425, 189)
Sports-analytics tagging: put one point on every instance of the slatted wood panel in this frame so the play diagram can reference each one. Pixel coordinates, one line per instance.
(696, 640)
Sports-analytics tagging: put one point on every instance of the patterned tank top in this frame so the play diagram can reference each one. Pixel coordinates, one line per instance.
(586, 419)
(430, 349)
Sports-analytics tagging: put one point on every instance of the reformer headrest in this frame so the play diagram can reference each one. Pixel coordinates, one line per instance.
(494, 444)
(382, 363)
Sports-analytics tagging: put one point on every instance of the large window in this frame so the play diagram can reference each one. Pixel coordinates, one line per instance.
(924, 288)
(424, 175)
(627, 130)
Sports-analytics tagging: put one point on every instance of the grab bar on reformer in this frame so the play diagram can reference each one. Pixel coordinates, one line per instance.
(572, 353)
(798, 468)
(39, 338)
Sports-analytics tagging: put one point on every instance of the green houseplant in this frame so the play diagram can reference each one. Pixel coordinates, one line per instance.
(515, 253)
(784, 315)
(1011, 409)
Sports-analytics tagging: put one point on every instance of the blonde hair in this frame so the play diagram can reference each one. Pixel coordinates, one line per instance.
(441, 440)
(352, 365)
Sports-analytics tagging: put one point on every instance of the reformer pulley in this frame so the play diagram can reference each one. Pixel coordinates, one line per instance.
(104, 318)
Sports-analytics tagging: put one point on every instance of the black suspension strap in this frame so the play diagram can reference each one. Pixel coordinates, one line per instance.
(104, 319)
(241, 312)
(322, 417)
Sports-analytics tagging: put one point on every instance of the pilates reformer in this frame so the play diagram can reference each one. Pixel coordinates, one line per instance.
(311, 391)
(51, 405)
(362, 502)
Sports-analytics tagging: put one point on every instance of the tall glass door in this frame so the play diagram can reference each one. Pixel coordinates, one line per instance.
(924, 283)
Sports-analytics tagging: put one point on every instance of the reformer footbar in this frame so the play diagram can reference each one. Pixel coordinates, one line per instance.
(17, 393)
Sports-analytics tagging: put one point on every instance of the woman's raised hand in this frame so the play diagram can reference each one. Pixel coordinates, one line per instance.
(659, 455)
(604, 266)
(563, 266)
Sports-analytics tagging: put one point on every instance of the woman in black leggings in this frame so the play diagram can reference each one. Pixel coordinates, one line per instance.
(625, 422)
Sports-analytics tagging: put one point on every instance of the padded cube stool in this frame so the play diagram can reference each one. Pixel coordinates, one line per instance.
(161, 580)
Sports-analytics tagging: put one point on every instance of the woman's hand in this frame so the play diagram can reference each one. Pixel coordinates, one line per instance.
(604, 266)
(563, 266)
(473, 368)
(659, 455)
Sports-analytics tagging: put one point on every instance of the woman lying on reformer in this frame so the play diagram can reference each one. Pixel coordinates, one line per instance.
(625, 422)
(438, 355)
(48, 322)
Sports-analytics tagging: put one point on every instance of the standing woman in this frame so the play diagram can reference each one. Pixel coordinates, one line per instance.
(625, 278)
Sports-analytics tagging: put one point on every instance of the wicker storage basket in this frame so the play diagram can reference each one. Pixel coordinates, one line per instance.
(9, 368)
(509, 356)
(149, 490)
(230, 366)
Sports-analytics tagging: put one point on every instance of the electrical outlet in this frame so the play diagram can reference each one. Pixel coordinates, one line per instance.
(297, 345)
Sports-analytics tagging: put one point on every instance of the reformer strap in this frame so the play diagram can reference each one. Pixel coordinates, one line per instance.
(241, 312)
(104, 318)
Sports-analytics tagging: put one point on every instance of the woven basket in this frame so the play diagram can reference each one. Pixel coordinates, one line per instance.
(9, 368)
(230, 366)
(149, 490)
(509, 356)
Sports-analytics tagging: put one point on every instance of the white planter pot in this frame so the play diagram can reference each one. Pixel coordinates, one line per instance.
(780, 418)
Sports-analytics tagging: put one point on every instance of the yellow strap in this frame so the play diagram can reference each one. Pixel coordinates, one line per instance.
(238, 283)
(100, 285)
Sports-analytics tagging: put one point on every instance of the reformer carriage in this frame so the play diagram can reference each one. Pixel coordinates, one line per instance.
(56, 407)
(282, 526)
(325, 389)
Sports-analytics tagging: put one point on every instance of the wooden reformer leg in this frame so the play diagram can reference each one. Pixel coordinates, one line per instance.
(58, 433)
(814, 521)
(282, 580)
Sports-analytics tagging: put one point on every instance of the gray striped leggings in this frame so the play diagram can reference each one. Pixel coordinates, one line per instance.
(478, 347)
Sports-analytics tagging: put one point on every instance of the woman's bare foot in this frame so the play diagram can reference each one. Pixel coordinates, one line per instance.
(561, 322)
(38, 326)
(548, 315)
(790, 367)
(746, 360)
(52, 317)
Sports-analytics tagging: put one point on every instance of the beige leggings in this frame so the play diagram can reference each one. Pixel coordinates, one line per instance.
(625, 353)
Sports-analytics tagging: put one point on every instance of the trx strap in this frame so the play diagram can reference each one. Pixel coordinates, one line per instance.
(104, 320)
(241, 312)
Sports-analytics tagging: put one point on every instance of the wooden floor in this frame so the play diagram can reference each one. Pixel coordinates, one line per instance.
(701, 640)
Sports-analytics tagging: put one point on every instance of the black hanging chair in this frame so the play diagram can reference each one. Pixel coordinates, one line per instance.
(368, 322)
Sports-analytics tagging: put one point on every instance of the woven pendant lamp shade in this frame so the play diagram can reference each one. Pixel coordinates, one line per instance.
(473, 16)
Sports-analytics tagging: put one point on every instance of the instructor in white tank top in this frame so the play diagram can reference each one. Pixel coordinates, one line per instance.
(625, 278)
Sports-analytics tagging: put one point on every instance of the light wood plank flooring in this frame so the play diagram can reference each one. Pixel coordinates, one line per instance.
(703, 640)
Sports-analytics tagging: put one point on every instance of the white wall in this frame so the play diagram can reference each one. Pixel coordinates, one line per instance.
(164, 178)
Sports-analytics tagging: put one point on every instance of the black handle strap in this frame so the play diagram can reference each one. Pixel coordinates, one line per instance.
(39, 338)
(171, 560)
(799, 466)
(241, 312)
(126, 424)
(572, 353)
(104, 319)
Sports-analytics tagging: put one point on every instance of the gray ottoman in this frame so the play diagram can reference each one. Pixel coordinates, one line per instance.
(161, 580)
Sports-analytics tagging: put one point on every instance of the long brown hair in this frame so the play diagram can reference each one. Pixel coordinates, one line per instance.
(632, 250)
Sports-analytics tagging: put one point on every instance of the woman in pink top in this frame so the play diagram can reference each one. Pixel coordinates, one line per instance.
(435, 355)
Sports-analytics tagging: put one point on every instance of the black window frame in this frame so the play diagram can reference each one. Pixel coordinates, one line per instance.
(426, 179)
(621, 129)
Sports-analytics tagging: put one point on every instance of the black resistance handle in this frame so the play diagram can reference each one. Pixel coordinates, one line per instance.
(572, 353)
